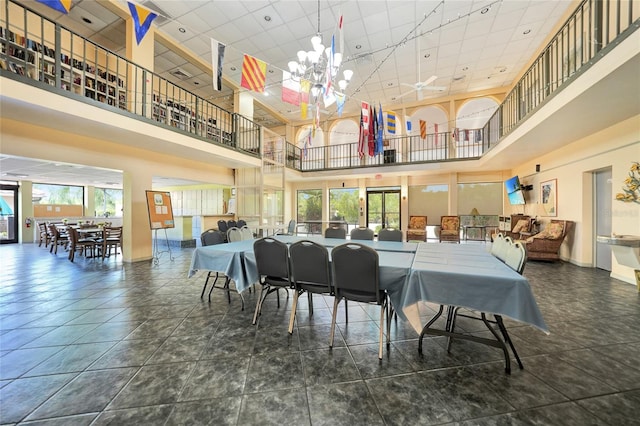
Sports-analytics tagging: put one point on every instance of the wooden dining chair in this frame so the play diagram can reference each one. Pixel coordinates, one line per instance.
(82, 245)
(43, 236)
(112, 238)
(58, 238)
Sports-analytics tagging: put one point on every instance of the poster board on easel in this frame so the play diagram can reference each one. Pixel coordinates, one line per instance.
(160, 211)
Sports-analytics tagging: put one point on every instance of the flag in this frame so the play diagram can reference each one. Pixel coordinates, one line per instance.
(63, 6)
(341, 35)
(361, 135)
(391, 122)
(454, 134)
(142, 19)
(435, 129)
(408, 126)
(307, 144)
(423, 129)
(365, 118)
(217, 57)
(305, 86)
(372, 136)
(340, 99)
(466, 135)
(254, 74)
(379, 131)
(290, 89)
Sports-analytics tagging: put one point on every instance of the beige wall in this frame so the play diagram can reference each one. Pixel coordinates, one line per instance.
(573, 166)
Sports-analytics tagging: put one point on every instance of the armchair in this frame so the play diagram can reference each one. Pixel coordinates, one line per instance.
(417, 230)
(545, 245)
(450, 228)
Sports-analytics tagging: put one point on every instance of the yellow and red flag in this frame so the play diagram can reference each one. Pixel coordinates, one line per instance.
(423, 129)
(254, 74)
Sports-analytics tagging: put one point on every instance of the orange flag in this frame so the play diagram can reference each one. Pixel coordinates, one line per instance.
(254, 73)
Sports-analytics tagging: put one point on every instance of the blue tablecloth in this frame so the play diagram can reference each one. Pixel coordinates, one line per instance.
(332, 242)
(467, 276)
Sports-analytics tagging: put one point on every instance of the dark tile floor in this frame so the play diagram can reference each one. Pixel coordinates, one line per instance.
(96, 342)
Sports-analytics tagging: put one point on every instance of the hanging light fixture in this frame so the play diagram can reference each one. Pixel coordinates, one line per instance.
(320, 65)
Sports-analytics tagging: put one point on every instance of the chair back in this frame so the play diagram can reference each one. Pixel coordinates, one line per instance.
(310, 266)
(356, 273)
(516, 256)
(234, 234)
(241, 223)
(272, 259)
(222, 226)
(232, 223)
(418, 222)
(362, 234)
(390, 234)
(247, 234)
(212, 237)
(114, 233)
(499, 246)
(291, 229)
(335, 233)
(450, 223)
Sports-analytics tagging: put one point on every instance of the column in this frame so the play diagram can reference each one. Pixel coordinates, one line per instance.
(89, 201)
(25, 206)
(136, 236)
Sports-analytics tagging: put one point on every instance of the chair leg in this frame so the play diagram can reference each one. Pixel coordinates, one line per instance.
(336, 301)
(310, 298)
(382, 309)
(258, 304)
(292, 317)
(507, 339)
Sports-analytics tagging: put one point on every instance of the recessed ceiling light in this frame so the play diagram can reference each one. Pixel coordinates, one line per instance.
(358, 46)
(503, 69)
(270, 71)
(484, 10)
(526, 32)
(233, 68)
(427, 55)
(390, 84)
(465, 68)
(394, 98)
(87, 20)
(182, 30)
(267, 18)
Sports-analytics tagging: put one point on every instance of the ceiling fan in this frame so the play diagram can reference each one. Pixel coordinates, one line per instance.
(422, 85)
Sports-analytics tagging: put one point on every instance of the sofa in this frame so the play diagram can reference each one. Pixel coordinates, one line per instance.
(545, 245)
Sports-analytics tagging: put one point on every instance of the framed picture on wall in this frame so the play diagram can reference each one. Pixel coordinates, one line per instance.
(549, 197)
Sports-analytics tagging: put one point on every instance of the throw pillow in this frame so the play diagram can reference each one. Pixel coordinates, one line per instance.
(521, 226)
(555, 230)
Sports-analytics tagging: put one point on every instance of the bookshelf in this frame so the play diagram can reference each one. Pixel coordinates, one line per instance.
(37, 61)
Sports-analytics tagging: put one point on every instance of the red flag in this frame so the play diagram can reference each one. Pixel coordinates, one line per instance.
(435, 129)
(371, 137)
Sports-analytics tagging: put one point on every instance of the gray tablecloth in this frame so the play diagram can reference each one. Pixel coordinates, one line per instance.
(467, 276)
(333, 242)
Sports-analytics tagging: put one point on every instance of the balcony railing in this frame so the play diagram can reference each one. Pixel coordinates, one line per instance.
(42, 52)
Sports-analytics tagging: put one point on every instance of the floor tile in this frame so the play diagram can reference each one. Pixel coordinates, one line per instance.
(274, 408)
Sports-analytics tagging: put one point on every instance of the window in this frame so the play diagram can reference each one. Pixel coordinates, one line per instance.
(309, 208)
(344, 204)
(429, 200)
(486, 198)
(58, 194)
(108, 202)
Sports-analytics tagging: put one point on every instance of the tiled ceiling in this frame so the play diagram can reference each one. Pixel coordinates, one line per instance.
(469, 45)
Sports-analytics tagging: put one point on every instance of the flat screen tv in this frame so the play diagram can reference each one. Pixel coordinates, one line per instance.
(516, 198)
(512, 185)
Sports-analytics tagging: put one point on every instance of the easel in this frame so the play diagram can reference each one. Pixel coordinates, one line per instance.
(156, 249)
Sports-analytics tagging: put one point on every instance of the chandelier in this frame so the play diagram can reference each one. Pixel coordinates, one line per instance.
(320, 65)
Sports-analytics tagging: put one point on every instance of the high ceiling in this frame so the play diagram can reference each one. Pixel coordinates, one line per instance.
(467, 45)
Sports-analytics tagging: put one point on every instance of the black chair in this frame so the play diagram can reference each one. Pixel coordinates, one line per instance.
(390, 234)
(335, 233)
(222, 226)
(241, 223)
(356, 276)
(272, 260)
(232, 224)
(362, 234)
(208, 238)
(310, 271)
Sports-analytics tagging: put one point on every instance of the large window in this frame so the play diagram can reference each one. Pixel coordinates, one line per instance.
(108, 202)
(309, 209)
(344, 204)
(485, 198)
(58, 194)
(429, 200)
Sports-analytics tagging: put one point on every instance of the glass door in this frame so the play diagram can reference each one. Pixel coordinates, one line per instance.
(383, 209)
(9, 214)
